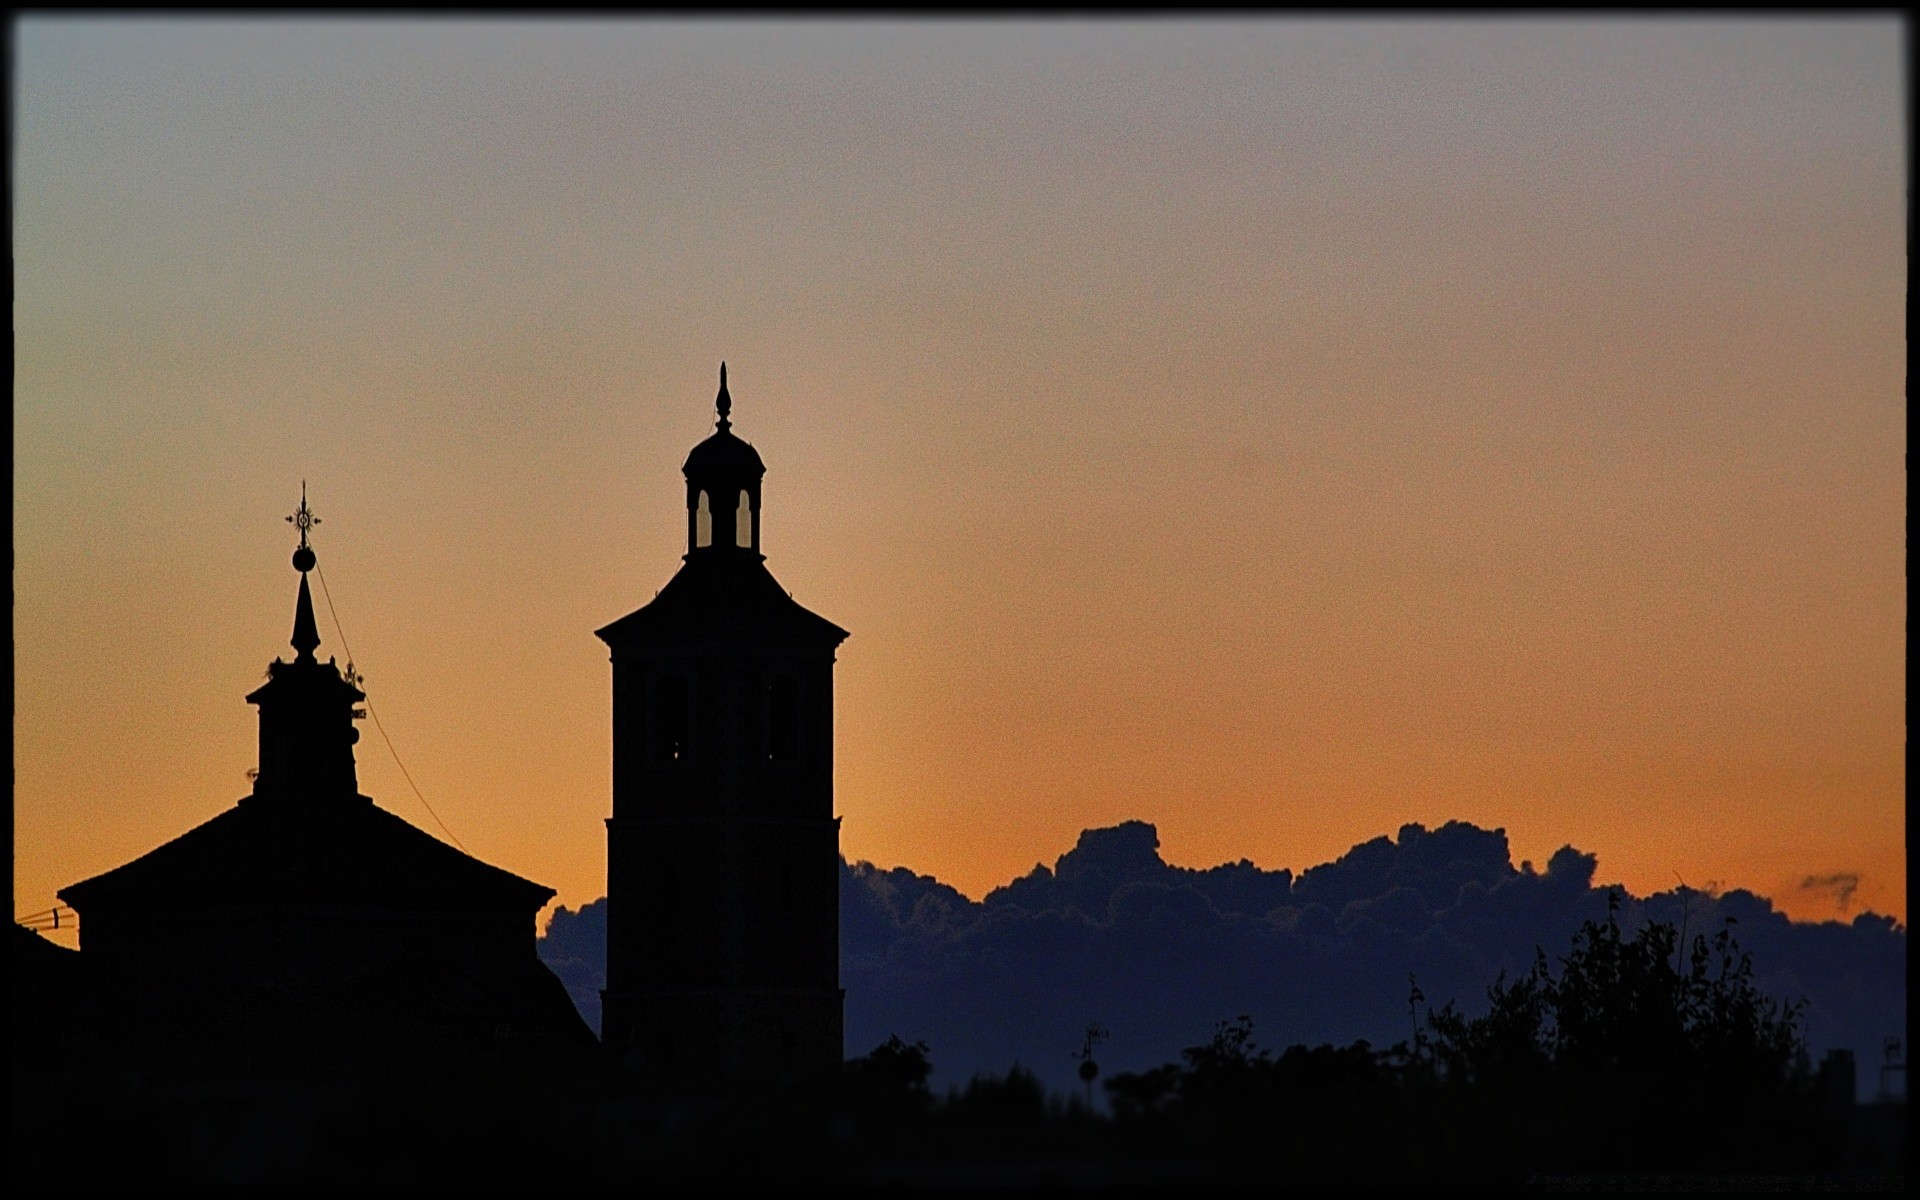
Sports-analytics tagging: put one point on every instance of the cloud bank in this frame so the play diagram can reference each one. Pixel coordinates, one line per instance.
(1158, 954)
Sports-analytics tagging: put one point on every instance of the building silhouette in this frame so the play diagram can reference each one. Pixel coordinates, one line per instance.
(723, 850)
(306, 917)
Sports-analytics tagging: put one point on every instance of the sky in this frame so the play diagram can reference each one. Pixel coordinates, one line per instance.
(1279, 430)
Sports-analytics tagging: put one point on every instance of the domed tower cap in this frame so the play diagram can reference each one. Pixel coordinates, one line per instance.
(724, 456)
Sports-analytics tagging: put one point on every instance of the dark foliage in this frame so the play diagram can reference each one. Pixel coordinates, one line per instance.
(1630, 1053)
(1630, 1057)
(1623, 1011)
(884, 1099)
(1641, 1053)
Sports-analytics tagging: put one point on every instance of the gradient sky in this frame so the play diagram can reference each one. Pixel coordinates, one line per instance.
(1278, 430)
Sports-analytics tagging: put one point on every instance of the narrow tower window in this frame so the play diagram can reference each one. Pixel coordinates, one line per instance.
(703, 523)
(671, 720)
(783, 720)
(743, 524)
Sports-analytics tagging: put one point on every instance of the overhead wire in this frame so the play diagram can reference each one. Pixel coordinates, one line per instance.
(408, 775)
(58, 919)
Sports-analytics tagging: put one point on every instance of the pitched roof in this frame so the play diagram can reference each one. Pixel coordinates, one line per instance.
(286, 851)
(723, 596)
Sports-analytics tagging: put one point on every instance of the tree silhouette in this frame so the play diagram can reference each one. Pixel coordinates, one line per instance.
(1621, 1009)
(884, 1096)
(1633, 1052)
(1625, 1058)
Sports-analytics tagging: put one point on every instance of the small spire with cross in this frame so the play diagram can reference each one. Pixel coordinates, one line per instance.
(303, 520)
(306, 631)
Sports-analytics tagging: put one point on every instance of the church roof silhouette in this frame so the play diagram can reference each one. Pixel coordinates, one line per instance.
(306, 920)
(722, 596)
(354, 854)
(306, 835)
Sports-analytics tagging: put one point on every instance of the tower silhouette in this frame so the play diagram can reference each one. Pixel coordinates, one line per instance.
(723, 955)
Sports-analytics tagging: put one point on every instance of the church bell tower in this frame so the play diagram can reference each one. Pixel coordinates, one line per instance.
(723, 943)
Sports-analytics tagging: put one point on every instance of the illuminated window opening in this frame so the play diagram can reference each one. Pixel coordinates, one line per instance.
(703, 524)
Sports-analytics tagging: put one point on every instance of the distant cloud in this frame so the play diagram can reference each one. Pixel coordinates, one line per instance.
(1158, 953)
(1842, 885)
(574, 947)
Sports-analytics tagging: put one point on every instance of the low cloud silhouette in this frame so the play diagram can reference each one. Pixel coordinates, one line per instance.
(1159, 954)
(574, 947)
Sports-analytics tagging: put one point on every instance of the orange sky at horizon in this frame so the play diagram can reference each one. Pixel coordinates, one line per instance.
(1278, 430)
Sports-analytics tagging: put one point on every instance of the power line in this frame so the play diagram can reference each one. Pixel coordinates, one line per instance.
(57, 917)
(408, 775)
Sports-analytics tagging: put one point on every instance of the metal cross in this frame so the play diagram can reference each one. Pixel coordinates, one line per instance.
(303, 518)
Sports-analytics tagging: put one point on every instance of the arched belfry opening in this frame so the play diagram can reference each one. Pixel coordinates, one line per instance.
(723, 771)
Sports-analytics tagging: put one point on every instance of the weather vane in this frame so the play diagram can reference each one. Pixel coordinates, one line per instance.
(303, 520)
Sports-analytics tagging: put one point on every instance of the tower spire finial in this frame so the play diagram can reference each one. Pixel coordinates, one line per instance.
(723, 402)
(306, 631)
(303, 520)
